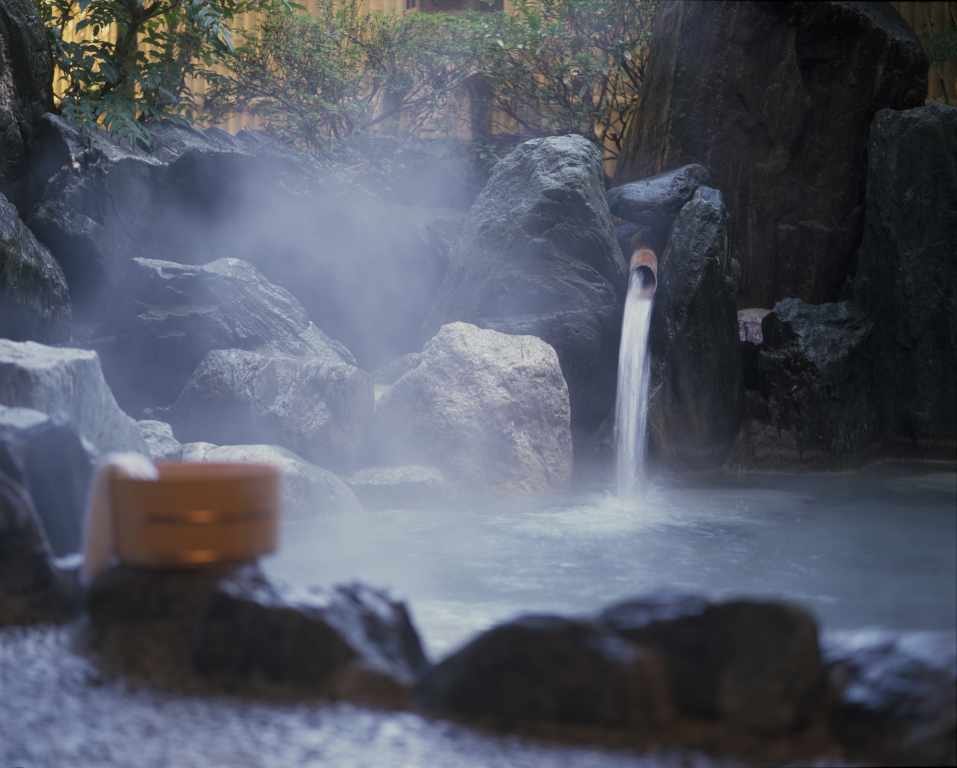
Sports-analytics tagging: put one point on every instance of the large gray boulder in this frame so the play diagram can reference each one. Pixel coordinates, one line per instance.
(26, 81)
(68, 385)
(307, 490)
(319, 407)
(538, 256)
(34, 299)
(48, 459)
(907, 270)
(488, 409)
(696, 379)
(167, 316)
(775, 99)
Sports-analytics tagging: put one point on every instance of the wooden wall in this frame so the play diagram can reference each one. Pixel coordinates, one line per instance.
(928, 18)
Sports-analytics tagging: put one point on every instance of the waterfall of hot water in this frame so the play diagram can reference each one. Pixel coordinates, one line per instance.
(634, 369)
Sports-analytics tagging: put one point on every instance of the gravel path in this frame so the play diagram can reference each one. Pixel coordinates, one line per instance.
(56, 711)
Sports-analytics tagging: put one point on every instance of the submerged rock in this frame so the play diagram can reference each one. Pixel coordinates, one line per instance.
(319, 407)
(400, 485)
(34, 299)
(775, 99)
(307, 490)
(168, 316)
(814, 397)
(651, 204)
(68, 385)
(488, 409)
(695, 391)
(896, 696)
(237, 625)
(907, 270)
(538, 256)
(161, 443)
(48, 459)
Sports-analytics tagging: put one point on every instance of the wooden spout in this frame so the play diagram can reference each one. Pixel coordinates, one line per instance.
(644, 265)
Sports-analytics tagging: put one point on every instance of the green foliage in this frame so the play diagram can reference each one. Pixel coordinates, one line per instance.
(140, 56)
(546, 67)
(341, 72)
(549, 66)
(942, 46)
(562, 66)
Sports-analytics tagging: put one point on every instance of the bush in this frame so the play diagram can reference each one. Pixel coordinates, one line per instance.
(569, 66)
(140, 56)
(342, 72)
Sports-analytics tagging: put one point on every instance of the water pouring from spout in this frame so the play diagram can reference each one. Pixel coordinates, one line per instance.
(634, 369)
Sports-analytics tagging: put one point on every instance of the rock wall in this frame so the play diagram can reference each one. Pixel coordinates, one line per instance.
(26, 81)
(776, 100)
(34, 298)
(907, 270)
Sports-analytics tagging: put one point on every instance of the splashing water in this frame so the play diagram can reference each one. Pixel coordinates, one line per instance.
(634, 369)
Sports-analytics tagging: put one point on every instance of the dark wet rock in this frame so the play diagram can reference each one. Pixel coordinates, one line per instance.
(166, 317)
(26, 79)
(753, 665)
(319, 407)
(696, 380)
(775, 99)
(907, 269)
(488, 409)
(550, 669)
(365, 269)
(815, 398)
(88, 194)
(538, 256)
(48, 459)
(34, 299)
(400, 485)
(32, 587)
(896, 696)
(161, 443)
(68, 385)
(312, 638)
(307, 490)
(629, 236)
(651, 204)
(237, 625)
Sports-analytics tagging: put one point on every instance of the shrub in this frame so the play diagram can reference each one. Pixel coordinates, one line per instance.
(342, 72)
(122, 62)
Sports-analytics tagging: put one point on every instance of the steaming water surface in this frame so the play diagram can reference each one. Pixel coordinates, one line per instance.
(874, 548)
